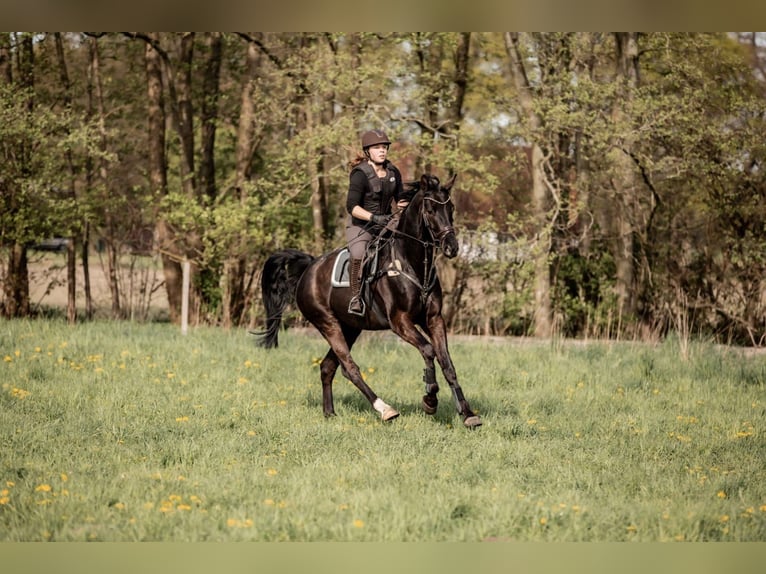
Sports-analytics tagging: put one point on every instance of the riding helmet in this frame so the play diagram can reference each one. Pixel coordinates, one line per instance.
(374, 137)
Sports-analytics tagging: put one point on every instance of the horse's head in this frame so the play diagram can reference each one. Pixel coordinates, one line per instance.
(438, 211)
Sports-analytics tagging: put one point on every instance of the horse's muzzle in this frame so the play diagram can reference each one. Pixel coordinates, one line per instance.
(450, 246)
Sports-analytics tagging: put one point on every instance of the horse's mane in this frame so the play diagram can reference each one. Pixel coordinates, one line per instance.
(411, 188)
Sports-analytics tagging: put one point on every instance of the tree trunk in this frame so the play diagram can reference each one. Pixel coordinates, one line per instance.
(17, 283)
(183, 111)
(17, 280)
(171, 261)
(209, 114)
(543, 326)
(71, 253)
(112, 244)
(624, 182)
(233, 277)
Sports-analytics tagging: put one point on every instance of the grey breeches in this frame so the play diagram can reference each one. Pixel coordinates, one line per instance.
(357, 239)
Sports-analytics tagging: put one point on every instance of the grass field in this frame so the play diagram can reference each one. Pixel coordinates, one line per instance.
(127, 432)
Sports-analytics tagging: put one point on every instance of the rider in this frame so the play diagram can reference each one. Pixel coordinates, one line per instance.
(373, 183)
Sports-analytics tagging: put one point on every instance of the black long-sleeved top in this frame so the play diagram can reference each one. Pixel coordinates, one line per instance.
(371, 192)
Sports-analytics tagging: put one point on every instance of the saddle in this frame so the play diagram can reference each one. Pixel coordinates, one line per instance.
(370, 267)
(340, 269)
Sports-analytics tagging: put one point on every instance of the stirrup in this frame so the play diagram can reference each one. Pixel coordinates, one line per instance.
(361, 304)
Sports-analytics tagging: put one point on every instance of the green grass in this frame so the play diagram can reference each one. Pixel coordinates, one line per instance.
(125, 432)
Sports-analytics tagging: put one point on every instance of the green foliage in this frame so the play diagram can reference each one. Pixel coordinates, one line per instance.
(583, 293)
(34, 177)
(119, 432)
(676, 158)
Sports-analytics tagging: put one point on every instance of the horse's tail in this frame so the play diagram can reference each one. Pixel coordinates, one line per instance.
(278, 282)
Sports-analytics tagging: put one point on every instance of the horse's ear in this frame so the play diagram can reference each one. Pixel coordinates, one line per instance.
(448, 186)
(424, 181)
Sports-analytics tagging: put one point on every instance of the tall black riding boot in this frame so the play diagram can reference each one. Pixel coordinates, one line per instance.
(356, 305)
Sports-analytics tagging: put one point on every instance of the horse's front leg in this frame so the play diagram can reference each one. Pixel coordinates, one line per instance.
(438, 334)
(402, 325)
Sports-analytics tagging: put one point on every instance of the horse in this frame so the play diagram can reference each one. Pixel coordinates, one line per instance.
(405, 296)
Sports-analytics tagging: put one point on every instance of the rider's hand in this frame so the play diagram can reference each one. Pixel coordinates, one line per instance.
(381, 220)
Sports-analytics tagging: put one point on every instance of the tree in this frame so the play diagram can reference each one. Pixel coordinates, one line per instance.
(539, 191)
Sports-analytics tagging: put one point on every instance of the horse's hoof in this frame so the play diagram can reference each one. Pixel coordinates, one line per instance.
(389, 414)
(472, 421)
(429, 409)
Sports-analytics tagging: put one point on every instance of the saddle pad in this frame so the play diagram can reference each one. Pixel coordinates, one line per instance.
(340, 270)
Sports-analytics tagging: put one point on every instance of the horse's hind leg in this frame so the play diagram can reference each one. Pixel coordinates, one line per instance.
(328, 368)
(339, 343)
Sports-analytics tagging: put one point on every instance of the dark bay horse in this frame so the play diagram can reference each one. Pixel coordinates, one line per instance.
(405, 296)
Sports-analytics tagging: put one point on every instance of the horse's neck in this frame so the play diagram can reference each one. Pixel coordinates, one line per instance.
(410, 247)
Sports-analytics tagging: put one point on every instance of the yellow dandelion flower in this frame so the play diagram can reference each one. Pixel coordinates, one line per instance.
(64, 477)
(724, 518)
(269, 502)
(762, 508)
(232, 522)
(343, 507)
(182, 419)
(543, 521)
(120, 506)
(358, 523)
(632, 528)
(4, 500)
(721, 494)
(8, 359)
(248, 363)
(10, 483)
(183, 507)
(43, 488)
(272, 472)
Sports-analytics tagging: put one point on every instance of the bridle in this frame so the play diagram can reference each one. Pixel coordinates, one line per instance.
(435, 242)
(438, 237)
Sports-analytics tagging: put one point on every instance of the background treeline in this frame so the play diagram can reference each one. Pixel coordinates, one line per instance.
(609, 184)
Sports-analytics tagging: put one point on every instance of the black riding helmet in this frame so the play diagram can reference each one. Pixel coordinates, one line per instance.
(374, 137)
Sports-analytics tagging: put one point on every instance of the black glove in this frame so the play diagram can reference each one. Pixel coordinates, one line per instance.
(381, 220)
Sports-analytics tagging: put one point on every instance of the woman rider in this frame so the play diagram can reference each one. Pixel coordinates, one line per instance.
(373, 183)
